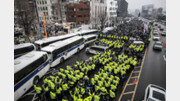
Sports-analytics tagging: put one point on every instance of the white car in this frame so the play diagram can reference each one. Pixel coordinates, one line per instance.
(157, 45)
(156, 38)
(96, 49)
(154, 93)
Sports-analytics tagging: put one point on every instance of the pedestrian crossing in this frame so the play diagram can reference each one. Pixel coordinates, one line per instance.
(129, 90)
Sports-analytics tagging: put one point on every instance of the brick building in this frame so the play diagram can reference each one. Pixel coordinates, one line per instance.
(78, 12)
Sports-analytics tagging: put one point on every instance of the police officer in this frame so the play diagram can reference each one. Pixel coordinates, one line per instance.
(38, 91)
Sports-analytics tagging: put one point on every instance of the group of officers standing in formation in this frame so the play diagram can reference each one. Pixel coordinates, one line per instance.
(100, 77)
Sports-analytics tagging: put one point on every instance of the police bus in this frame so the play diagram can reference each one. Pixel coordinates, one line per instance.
(61, 50)
(22, 49)
(46, 41)
(28, 69)
(89, 39)
(88, 32)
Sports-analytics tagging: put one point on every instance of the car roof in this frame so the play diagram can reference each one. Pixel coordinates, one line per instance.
(98, 46)
(26, 59)
(159, 42)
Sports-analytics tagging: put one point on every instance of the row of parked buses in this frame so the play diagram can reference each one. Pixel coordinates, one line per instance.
(36, 59)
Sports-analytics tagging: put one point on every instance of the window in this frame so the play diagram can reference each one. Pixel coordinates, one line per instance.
(158, 95)
(28, 69)
(46, 8)
(66, 47)
(45, 2)
(91, 38)
(42, 2)
(23, 50)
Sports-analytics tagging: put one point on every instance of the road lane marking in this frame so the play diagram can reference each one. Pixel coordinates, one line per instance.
(128, 92)
(139, 75)
(127, 83)
(135, 77)
(131, 84)
(135, 71)
(125, 87)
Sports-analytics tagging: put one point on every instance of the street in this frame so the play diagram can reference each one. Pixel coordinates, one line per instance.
(153, 71)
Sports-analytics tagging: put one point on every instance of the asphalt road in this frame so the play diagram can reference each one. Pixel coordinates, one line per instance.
(153, 71)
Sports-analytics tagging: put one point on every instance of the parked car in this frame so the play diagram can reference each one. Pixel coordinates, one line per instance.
(163, 33)
(154, 93)
(161, 29)
(155, 33)
(157, 45)
(95, 49)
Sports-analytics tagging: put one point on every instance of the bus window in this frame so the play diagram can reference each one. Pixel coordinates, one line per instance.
(28, 69)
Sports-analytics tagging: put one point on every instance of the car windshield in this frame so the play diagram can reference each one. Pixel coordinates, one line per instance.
(158, 95)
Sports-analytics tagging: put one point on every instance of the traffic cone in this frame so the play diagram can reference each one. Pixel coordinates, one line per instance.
(135, 81)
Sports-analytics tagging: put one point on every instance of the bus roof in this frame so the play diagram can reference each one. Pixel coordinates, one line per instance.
(89, 36)
(26, 59)
(49, 39)
(22, 45)
(56, 45)
(87, 31)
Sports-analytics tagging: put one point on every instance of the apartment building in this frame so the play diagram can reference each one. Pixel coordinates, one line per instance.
(78, 12)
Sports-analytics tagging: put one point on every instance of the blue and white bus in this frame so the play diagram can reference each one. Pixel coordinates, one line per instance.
(28, 69)
(89, 38)
(22, 49)
(61, 50)
(47, 41)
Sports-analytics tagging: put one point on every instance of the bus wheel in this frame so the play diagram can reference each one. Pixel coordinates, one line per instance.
(78, 50)
(36, 80)
(62, 60)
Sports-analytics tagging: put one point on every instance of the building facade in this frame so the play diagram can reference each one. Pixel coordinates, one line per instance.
(111, 11)
(97, 7)
(147, 10)
(44, 6)
(122, 10)
(56, 11)
(78, 12)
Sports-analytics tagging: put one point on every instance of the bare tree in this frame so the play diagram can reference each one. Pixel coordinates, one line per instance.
(102, 19)
(24, 15)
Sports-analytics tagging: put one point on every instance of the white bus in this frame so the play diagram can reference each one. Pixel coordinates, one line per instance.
(88, 32)
(47, 41)
(61, 50)
(89, 39)
(22, 49)
(28, 69)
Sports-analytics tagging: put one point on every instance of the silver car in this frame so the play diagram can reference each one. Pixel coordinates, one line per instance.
(96, 49)
(157, 45)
